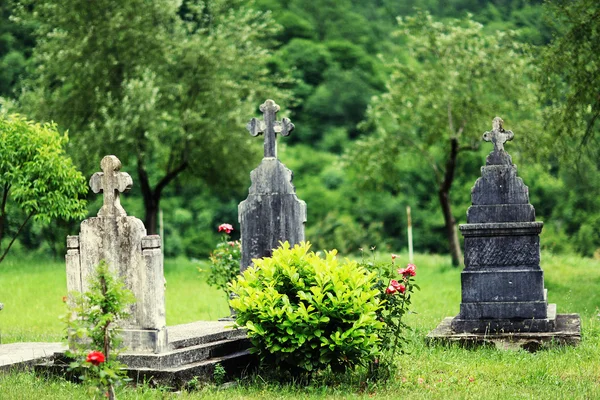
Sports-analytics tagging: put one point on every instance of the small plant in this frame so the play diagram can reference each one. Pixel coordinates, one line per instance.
(225, 260)
(394, 287)
(92, 330)
(305, 313)
(219, 374)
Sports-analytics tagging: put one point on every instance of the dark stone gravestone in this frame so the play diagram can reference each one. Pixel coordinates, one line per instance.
(503, 295)
(502, 283)
(271, 213)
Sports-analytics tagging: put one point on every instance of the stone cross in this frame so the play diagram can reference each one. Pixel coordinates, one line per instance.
(269, 127)
(111, 182)
(498, 136)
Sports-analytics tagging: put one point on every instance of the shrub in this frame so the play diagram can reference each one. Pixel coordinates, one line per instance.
(394, 289)
(304, 312)
(225, 260)
(92, 330)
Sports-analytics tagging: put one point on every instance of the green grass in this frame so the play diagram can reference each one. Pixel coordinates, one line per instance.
(438, 372)
(32, 293)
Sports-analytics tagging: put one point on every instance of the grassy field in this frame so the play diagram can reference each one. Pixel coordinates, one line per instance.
(32, 293)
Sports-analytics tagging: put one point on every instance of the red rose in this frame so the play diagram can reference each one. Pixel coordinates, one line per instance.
(95, 357)
(390, 290)
(227, 228)
(409, 270)
(402, 289)
(394, 283)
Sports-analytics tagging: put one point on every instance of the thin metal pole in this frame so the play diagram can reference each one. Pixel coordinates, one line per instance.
(410, 238)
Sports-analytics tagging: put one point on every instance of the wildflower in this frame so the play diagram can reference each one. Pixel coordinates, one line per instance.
(409, 270)
(227, 228)
(64, 299)
(95, 357)
(394, 256)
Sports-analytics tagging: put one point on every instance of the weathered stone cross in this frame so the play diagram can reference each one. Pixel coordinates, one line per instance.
(111, 182)
(269, 127)
(498, 136)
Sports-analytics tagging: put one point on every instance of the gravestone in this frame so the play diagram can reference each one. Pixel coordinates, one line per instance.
(135, 257)
(271, 213)
(502, 282)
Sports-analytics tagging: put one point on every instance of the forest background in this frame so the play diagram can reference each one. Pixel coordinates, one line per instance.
(388, 113)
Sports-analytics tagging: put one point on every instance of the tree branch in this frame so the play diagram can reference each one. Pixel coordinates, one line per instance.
(15, 237)
(169, 177)
(3, 212)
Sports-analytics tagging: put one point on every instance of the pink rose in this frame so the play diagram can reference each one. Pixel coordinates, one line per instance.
(409, 270)
(398, 287)
(227, 228)
(390, 290)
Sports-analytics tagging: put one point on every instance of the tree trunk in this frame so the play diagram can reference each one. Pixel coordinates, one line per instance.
(152, 196)
(450, 226)
(444, 196)
(151, 214)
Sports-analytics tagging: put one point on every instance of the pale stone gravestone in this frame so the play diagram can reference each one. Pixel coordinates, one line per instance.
(271, 213)
(502, 283)
(122, 242)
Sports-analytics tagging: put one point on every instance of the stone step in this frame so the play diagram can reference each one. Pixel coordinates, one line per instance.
(235, 365)
(179, 337)
(185, 355)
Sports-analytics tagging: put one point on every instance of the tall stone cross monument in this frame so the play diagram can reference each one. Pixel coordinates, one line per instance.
(271, 213)
(502, 283)
(122, 242)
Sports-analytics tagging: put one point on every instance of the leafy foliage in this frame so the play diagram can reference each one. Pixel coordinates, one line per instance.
(225, 263)
(36, 175)
(162, 84)
(305, 313)
(92, 329)
(440, 101)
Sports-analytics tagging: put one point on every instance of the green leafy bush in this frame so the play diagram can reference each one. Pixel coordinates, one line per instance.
(304, 312)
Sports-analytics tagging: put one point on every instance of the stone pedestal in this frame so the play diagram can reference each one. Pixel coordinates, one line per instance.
(121, 241)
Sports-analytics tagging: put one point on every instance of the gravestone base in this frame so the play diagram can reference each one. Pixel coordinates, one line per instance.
(508, 325)
(192, 353)
(567, 332)
(145, 340)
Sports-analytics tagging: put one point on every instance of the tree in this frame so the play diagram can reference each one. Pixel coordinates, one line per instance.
(570, 83)
(442, 99)
(36, 175)
(167, 86)
(570, 73)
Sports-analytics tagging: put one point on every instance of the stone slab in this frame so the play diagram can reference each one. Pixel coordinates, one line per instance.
(500, 213)
(502, 285)
(504, 310)
(24, 355)
(200, 332)
(500, 325)
(502, 251)
(567, 332)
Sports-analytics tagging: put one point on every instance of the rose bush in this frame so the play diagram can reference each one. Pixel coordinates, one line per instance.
(225, 260)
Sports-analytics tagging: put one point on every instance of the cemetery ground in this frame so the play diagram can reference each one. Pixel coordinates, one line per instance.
(32, 291)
